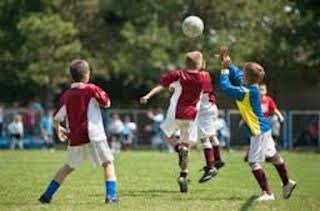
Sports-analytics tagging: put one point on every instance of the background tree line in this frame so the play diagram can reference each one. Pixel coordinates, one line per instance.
(130, 43)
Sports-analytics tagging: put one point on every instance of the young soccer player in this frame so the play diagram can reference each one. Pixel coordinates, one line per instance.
(80, 106)
(262, 146)
(188, 83)
(206, 118)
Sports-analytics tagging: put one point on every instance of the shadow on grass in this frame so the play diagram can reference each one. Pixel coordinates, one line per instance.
(247, 205)
(153, 192)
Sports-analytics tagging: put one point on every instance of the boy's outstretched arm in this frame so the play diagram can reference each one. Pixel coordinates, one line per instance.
(159, 88)
(165, 81)
(236, 92)
(236, 75)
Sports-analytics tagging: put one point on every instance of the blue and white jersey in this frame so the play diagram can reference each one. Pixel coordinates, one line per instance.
(247, 99)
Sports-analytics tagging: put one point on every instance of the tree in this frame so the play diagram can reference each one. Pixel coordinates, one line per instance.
(50, 43)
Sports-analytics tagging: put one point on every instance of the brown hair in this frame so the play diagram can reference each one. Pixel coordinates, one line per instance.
(194, 60)
(78, 69)
(254, 72)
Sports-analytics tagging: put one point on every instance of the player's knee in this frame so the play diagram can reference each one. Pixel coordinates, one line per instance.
(276, 159)
(206, 144)
(255, 166)
(214, 140)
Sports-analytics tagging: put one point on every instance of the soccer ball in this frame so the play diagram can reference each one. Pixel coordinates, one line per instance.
(192, 26)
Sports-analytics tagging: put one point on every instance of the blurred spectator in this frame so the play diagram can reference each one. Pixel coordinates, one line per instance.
(30, 122)
(46, 128)
(1, 120)
(313, 130)
(309, 137)
(156, 141)
(15, 130)
(115, 128)
(223, 131)
(128, 132)
(275, 127)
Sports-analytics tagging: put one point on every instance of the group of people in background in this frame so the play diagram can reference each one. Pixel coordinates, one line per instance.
(25, 123)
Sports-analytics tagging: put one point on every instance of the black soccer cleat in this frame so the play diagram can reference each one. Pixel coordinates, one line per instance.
(208, 174)
(44, 200)
(219, 164)
(183, 184)
(112, 201)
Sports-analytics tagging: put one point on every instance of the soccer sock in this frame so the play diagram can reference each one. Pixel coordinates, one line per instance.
(111, 189)
(51, 189)
(209, 156)
(183, 174)
(282, 171)
(262, 180)
(177, 147)
(216, 153)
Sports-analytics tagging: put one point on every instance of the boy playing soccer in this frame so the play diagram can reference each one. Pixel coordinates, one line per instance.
(80, 108)
(262, 146)
(188, 85)
(206, 118)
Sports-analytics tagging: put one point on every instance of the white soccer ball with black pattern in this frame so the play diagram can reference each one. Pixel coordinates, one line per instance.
(192, 26)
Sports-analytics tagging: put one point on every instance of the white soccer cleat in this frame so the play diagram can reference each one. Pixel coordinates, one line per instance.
(266, 197)
(288, 188)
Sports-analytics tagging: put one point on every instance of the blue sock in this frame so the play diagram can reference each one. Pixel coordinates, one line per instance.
(52, 188)
(111, 189)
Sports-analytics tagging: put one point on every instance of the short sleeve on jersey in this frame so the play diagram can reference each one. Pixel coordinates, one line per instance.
(169, 78)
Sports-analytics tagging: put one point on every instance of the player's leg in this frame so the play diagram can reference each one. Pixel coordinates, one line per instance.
(256, 155)
(209, 170)
(216, 152)
(55, 183)
(273, 157)
(101, 155)
(110, 182)
(75, 156)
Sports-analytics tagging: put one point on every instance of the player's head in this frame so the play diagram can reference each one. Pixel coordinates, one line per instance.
(223, 51)
(80, 71)
(194, 60)
(263, 89)
(17, 118)
(253, 73)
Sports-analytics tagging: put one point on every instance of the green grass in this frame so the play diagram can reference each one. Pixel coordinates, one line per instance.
(147, 181)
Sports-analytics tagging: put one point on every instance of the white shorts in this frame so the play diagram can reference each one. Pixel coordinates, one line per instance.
(206, 122)
(98, 152)
(188, 133)
(261, 147)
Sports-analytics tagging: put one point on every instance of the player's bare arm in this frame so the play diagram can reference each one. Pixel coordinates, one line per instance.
(61, 131)
(154, 91)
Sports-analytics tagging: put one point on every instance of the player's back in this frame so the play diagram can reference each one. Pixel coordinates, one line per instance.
(188, 86)
(81, 104)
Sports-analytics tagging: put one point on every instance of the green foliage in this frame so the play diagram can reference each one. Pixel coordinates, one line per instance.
(135, 42)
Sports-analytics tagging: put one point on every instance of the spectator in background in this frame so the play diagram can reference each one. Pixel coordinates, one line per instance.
(46, 128)
(313, 130)
(15, 130)
(115, 128)
(156, 141)
(128, 132)
(223, 131)
(1, 120)
(275, 127)
(269, 109)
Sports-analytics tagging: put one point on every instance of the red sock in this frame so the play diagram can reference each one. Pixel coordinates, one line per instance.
(282, 171)
(177, 147)
(262, 180)
(209, 156)
(216, 153)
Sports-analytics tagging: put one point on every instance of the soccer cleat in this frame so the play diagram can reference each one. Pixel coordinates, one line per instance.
(266, 197)
(208, 174)
(44, 200)
(219, 164)
(183, 183)
(288, 188)
(112, 201)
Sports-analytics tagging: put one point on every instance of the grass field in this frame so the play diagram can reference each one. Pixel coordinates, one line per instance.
(147, 181)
